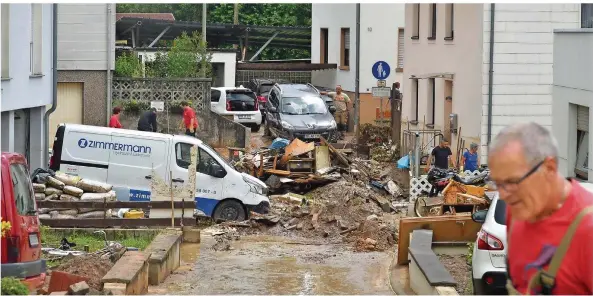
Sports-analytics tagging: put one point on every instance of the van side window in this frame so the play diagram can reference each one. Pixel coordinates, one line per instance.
(214, 95)
(208, 165)
(21, 184)
(183, 155)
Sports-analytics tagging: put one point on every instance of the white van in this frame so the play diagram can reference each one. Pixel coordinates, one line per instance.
(126, 158)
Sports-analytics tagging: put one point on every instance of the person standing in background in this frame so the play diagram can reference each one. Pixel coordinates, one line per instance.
(341, 101)
(147, 121)
(114, 121)
(190, 122)
(470, 159)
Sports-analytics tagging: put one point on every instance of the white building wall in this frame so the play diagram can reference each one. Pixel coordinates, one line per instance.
(523, 58)
(379, 24)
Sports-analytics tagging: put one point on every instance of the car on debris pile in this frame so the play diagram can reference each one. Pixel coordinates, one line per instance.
(298, 111)
(238, 104)
(21, 241)
(261, 87)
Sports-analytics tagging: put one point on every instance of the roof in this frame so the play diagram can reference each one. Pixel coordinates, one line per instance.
(290, 66)
(166, 16)
(297, 89)
(217, 35)
(160, 48)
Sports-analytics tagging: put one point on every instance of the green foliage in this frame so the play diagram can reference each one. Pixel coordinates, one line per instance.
(13, 286)
(249, 14)
(189, 57)
(128, 65)
(135, 107)
(470, 253)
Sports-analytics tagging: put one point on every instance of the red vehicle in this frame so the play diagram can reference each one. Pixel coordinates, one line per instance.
(21, 245)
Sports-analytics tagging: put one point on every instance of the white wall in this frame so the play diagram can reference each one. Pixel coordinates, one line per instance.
(228, 58)
(379, 24)
(22, 91)
(523, 70)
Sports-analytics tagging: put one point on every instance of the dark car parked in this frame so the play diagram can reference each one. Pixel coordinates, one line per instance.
(298, 111)
(261, 87)
(328, 100)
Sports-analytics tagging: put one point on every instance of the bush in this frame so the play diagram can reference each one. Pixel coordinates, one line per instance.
(128, 65)
(13, 286)
(135, 107)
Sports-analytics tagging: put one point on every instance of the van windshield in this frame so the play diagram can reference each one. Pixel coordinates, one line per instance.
(213, 152)
(21, 184)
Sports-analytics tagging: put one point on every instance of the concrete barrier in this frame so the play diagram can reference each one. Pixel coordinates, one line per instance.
(165, 256)
(112, 234)
(129, 275)
(428, 276)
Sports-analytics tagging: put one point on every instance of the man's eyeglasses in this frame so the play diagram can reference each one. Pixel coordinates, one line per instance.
(510, 186)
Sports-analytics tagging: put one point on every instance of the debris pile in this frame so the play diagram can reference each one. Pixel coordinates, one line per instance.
(457, 198)
(91, 266)
(59, 186)
(378, 142)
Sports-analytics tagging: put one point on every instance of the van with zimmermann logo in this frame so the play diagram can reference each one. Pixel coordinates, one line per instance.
(126, 159)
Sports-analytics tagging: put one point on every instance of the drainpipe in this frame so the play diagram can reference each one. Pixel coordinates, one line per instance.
(357, 79)
(491, 73)
(54, 103)
(109, 62)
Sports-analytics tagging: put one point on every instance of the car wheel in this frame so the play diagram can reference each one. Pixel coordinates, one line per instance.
(255, 128)
(230, 210)
(267, 132)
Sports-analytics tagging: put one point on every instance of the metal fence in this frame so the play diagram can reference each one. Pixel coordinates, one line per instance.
(244, 76)
(427, 139)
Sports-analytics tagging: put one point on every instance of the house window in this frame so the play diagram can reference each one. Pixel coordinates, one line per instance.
(35, 46)
(430, 102)
(5, 39)
(415, 96)
(432, 34)
(449, 21)
(324, 41)
(587, 15)
(345, 49)
(400, 49)
(415, 21)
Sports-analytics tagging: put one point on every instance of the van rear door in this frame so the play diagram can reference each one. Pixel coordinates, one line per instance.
(132, 160)
(85, 154)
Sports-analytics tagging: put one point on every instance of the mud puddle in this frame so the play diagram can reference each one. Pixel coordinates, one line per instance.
(277, 265)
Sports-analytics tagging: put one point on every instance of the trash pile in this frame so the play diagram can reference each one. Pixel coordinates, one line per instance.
(378, 142)
(59, 186)
(342, 199)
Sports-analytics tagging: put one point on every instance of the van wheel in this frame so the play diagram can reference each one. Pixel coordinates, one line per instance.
(255, 128)
(230, 210)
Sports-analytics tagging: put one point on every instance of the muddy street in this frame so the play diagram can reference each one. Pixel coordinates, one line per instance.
(277, 265)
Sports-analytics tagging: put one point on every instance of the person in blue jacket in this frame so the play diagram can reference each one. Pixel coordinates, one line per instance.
(471, 159)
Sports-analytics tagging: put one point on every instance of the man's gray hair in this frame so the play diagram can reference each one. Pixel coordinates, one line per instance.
(538, 143)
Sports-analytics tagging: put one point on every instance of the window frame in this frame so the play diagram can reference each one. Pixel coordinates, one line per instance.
(5, 27)
(323, 45)
(36, 40)
(416, 89)
(586, 22)
(199, 169)
(400, 49)
(431, 101)
(345, 52)
(449, 21)
(179, 152)
(415, 21)
(432, 33)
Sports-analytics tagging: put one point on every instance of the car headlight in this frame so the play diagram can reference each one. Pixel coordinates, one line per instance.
(256, 188)
(333, 124)
(286, 125)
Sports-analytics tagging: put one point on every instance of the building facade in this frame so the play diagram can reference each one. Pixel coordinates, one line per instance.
(86, 58)
(572, 100)
(333, 41)
(27, 78)
(448, 54)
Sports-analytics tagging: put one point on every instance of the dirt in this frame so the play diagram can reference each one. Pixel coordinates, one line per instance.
(90, 266)
(224, 240)
(460, 270)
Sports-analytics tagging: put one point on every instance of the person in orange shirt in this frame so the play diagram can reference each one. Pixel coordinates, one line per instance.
(114, 121)
(190, 121)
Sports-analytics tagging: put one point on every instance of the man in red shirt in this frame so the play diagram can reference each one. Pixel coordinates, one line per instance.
(189, 119)
(114, 121)
(545, 256)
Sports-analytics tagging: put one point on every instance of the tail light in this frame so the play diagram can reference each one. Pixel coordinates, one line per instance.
(51, 161)
(488, 242)
(256, 105)
(12, 249)
(228, 106)
(262, 99)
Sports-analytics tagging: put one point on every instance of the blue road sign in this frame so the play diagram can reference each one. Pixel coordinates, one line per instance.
(381, 70)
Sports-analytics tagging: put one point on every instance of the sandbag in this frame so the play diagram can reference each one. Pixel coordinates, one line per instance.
(51, 197)
(44, 216)
(71, 212)
(51, 190)
(39, 196)
(39, 188)
(109, 196)
(57, 215)
(67, 197)
(74, 191)
(55, 183)
(93, 186)
(68, 180)
(95, 214)
(44, 211)
(86, 210)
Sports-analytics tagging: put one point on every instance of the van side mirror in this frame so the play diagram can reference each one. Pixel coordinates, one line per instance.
(218, 172)
(272, 109)
(479, 216)
(332, 109)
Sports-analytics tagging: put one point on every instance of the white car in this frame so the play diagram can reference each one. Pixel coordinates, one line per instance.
(489, 254)
(238, 104)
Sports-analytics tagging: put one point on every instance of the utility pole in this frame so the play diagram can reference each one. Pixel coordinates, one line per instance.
(204, 19)
(236, 20)
(357, 81)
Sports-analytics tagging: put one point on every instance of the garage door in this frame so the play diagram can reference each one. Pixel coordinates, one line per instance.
(583, 118)
(69, 109)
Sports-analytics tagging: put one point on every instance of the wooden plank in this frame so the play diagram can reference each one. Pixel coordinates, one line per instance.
(343, 159)
(57, 204)
(278, 172)
(114, 222)
(445, 229)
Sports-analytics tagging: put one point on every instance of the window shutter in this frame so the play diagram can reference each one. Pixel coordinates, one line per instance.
(582, 118)
(400, 49)
(347, 39)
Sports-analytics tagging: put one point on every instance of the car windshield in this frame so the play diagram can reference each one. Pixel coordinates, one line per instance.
(303, 105)
(500, 212)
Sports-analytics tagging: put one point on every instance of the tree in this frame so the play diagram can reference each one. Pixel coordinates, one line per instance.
(249, 14)
(189, 57)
